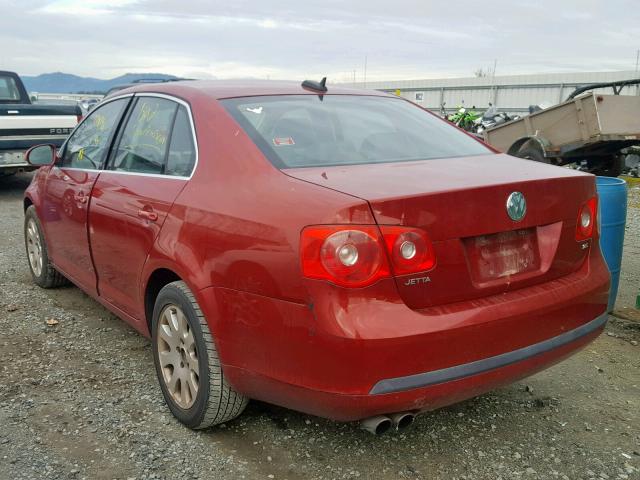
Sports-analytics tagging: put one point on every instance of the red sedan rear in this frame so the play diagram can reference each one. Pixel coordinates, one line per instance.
(342, 253)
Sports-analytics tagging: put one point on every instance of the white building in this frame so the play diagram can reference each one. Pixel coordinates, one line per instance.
(511, 93)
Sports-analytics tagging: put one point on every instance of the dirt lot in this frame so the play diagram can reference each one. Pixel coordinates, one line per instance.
(630, 275)
(80, 400)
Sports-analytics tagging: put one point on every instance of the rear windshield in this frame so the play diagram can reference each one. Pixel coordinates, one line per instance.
(8, 89)
(311, 131)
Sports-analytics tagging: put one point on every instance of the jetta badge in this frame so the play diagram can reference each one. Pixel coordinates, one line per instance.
(516, 206)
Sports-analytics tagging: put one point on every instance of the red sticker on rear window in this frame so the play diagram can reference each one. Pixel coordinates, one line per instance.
(279, 141)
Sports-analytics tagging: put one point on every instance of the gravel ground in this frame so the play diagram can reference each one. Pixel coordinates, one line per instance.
(630, 274)
(79, 399)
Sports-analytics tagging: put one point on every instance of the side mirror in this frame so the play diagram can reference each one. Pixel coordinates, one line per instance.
(41, 155)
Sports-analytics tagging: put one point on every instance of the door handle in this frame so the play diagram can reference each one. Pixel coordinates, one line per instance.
(147, 215)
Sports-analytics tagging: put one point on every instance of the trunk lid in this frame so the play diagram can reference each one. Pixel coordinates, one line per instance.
(461, 204)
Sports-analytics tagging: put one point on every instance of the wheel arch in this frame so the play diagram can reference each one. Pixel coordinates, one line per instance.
(158, 279)
(539, 142)
(26, 202)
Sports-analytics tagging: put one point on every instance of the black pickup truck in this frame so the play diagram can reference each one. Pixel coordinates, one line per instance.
(24, 124)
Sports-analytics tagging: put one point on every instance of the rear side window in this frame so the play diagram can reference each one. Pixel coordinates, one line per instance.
(89, 143)
(311, 131)
(182, 152)
(145, 140)
(8, 89)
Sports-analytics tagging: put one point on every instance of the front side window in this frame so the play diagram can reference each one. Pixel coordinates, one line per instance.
(145, 139)
(310, 130)
(89, 143)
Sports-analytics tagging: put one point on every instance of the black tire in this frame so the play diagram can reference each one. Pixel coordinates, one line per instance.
(532, 152)
(48, 277)
(215, 402)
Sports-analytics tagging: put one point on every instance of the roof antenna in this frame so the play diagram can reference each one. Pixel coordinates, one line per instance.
(320, 86)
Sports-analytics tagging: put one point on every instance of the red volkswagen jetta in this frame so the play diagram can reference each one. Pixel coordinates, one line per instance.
(342, 253)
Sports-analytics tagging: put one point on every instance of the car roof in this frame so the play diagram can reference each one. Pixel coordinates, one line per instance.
(219, 89)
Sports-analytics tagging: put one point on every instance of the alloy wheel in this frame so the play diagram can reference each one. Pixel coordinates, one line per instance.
(178, 356)
(34, 247)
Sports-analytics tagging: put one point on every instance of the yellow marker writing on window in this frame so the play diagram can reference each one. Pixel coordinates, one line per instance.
(81, 154)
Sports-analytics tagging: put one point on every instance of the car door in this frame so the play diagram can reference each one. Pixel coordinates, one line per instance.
(150, 164)
(68, 189)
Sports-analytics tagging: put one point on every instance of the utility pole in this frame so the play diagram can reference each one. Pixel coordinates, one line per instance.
(637, 93)
(365, 71)
(493, 83)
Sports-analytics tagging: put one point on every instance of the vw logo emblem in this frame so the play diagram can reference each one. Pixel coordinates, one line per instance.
(516, 206)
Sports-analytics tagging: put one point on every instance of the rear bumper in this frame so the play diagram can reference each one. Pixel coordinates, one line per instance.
(12, 161)
(425, 379)
(347, 357)
(347, 408)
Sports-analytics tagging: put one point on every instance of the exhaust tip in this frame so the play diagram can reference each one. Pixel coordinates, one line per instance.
(384, 427)
(402, 420)
(377, 425)
(405, 421)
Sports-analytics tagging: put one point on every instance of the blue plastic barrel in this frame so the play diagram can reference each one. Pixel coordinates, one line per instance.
(613, 217)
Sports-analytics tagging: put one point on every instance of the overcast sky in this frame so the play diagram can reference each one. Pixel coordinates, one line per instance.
(401, 39)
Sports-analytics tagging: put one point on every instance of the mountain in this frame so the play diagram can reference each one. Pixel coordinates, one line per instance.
(66, 83)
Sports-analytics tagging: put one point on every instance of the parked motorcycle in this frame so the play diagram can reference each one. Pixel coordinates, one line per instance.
(491, 118)
(465, 119)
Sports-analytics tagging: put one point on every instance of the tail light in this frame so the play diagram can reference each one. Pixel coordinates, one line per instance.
(586, 219)
(79, 118)
(409, 248)
(354, 256)
(345, 255)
